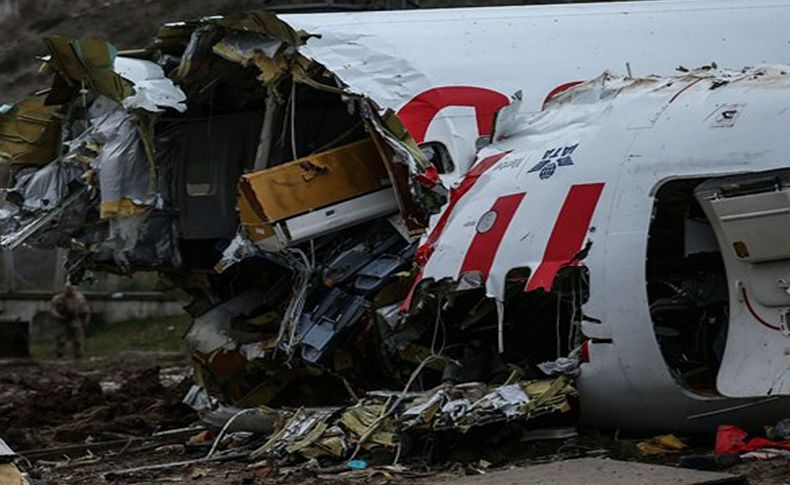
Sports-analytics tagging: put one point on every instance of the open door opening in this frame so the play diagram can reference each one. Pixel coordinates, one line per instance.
(686, 287)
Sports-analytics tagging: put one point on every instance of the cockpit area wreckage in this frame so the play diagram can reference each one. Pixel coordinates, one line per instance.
(291, 213)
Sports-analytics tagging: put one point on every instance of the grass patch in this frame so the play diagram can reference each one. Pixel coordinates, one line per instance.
(161, 334)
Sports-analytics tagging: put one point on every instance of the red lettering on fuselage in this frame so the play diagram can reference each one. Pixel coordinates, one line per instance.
(419, 112)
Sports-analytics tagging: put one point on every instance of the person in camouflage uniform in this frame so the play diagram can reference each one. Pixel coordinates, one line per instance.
(71, 314)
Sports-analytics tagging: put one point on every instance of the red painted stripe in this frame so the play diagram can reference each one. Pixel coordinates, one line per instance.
(425, 251)
(483, 249)
(456, 193)
(684, 90)
(568, 234)
(754, 313)
(418, 113)
(559, 89)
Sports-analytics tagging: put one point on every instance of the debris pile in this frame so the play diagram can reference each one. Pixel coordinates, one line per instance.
(386, 420)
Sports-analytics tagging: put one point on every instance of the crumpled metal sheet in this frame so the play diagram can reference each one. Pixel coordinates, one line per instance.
(105, 147)
(240, 248)
(45, 189)
(243, 46)
(373, 422)
(562, 365)
(107, 151)
(29, 132)
(94, 63)
(5, 450)
(210, 331)
(153, 91)
(124, 171)
(367, 64)
(88, 63)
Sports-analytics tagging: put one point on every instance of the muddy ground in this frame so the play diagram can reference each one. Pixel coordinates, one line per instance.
(124, 400)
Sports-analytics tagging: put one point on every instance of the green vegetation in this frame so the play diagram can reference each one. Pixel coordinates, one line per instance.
(163, 334)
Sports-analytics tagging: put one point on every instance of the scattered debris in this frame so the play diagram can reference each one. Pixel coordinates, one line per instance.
(659, 445)
(385, 420)
(779, 431)
(731, 440)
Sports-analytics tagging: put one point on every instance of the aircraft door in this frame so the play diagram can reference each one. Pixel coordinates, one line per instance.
(750, 215)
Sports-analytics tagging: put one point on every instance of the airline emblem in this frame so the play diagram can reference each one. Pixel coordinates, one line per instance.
(552, 159)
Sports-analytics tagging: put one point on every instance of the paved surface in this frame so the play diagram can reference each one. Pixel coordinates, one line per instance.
(597, 471)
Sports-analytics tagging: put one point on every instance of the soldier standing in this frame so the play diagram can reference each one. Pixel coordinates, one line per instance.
(71, 314)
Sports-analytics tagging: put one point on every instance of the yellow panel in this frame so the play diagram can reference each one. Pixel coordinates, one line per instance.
(89, 61)
(29, 133)
(311, 183)
(257, 228)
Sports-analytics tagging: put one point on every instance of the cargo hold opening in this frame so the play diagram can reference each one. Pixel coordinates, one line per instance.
(686, 287)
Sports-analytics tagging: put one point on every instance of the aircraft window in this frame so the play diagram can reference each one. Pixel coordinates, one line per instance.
(436, 153)
(200, 178)
(686, 287)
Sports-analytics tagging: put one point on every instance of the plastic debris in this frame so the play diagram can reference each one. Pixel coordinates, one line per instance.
(357, 464)
(732, 440)
(779, 431)
(662, 444)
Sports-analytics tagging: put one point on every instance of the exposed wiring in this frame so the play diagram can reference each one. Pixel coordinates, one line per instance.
(293, 119)
(375, 424)
(225, 428)
(397, 453)
(427, 360)
(436, 325)
(303, 268)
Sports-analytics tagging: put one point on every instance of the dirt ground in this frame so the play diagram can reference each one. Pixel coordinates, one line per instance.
(126, 399)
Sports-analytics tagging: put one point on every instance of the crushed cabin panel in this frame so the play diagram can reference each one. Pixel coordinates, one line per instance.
(89, 61)
(310, 183)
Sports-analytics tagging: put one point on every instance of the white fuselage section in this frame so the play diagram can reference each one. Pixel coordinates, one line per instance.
(447, 71)
(624, 138)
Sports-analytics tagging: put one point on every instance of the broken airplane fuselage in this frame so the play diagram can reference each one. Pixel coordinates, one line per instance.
(640, 219)
(281, 182)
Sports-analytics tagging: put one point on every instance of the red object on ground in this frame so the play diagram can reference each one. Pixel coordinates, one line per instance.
(732, 440)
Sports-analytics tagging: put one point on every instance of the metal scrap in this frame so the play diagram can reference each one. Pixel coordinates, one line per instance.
(335, 431)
